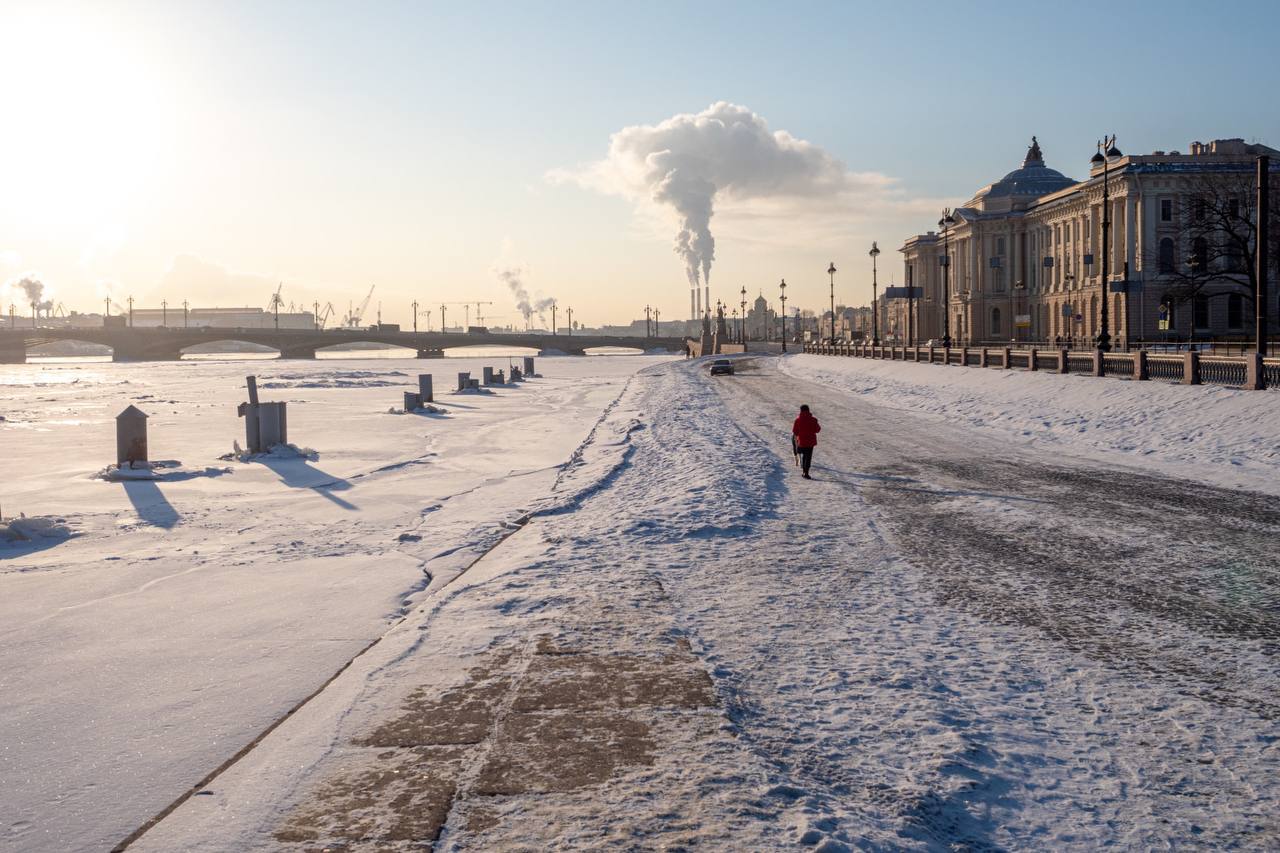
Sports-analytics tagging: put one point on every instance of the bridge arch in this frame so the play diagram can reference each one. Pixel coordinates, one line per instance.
(69, 348)
(371, 348)
(214, 350)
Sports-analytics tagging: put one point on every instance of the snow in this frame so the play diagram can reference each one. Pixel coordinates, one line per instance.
(956, 636)
(1208, 433)
(187, 612)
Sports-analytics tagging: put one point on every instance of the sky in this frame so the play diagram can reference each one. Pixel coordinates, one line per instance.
(213, 152)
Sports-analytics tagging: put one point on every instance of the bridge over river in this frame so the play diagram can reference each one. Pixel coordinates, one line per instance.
(168, 344)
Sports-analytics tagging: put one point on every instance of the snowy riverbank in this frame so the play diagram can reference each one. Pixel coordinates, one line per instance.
(1207, 433)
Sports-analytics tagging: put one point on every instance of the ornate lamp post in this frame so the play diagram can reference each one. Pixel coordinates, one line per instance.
(130, 312)
(1106, 150)
(782, 289)
(944, 225)
(185, 313)
(831, 271)
(570, 322)
(742, 323)
(875, 296)
(164, 312)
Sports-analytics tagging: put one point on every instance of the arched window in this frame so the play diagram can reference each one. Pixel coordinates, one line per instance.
(1166, 255)
(1200, 256)
(995, 321)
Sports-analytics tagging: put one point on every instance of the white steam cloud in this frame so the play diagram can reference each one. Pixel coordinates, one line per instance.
(690, 162)
(31, 291)
(513, 278)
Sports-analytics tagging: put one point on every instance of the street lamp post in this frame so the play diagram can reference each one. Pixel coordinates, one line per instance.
(646, 321)
(831, 271)
(185, 314)
(130, 312)
(164, 313)
(742, 323)
(782, 287)
(656, 315)
(1106, 150)
(875, 296)
(415, 316)
(944, 225)
(911, 305)
(570, 322)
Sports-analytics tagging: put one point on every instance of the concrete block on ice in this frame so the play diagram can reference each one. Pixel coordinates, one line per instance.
(412, 401)
(131, 436)
(473, 384)
(425, 391)
(265, 424)
(528, 365)
(464, 381)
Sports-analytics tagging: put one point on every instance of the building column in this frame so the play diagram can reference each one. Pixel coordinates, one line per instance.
(1130, 241)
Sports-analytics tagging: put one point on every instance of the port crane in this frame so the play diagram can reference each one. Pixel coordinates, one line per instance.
(466, 307)
(322, 317)
(354, 315)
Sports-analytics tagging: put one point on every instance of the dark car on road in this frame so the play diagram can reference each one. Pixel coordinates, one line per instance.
(722, 367)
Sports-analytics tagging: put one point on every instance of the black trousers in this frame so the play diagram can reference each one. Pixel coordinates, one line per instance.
(806, 458)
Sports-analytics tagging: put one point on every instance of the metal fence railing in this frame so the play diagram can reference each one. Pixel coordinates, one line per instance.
(1188, 367)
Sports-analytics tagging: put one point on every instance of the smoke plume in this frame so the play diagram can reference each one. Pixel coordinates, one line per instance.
(689, 162)
(513, 278)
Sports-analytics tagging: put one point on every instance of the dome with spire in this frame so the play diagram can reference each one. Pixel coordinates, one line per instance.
(1031, 181)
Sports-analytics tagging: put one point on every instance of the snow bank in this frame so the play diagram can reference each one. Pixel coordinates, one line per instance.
(21, 530)
(1223, 436)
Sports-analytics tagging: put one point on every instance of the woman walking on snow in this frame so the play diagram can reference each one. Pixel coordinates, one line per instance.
(804, 435)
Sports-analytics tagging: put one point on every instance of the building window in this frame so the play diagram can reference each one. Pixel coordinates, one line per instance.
(1166, 210)
(1201, 312)
(999, 245)
(1233, 208)
(995, 321)
(1199, 210)
(1235, 311)
(1166, 255)
(1200, 256)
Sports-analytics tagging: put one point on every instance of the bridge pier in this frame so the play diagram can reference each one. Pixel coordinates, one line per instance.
(13, 354)
(431, 352)
(298, 352)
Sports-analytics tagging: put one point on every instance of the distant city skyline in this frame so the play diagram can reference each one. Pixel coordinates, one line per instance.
(213, 151)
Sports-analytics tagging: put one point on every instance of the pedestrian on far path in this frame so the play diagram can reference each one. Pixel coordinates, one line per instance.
(804, 433)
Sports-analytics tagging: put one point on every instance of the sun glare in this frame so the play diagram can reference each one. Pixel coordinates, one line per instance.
(92, 132)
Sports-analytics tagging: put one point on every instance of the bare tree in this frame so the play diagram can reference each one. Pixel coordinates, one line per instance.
(1209, 252)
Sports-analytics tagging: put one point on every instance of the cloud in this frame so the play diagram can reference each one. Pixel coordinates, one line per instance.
(726, 159)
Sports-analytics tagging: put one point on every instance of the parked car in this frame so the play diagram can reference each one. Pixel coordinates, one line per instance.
(722, 367)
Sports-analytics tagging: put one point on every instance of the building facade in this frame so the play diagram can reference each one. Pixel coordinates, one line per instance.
(1022, 261)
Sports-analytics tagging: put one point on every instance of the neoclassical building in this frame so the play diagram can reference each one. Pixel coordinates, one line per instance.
(1026, 253)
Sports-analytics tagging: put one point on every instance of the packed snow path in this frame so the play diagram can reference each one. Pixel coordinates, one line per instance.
(944, 640)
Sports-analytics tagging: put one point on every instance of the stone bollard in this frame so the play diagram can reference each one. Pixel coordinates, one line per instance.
(1031, 359)
(964, 356)
(131, 437)
(1191, 368)
(1140, 369)
(1064, 361)
(1099, 363)
(265, 424)
(1255, 374)
(528, 365)
(464, 381)
(487, 372)
(425, 392)
(412, 401)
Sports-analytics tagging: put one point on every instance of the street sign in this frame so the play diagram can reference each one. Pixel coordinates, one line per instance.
(903, 292)
(1164, 317)
(1088, 260)
(1022, 321)
(1048, 262)
(1066, 311)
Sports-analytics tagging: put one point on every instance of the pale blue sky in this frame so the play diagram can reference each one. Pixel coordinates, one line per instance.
(336, 145)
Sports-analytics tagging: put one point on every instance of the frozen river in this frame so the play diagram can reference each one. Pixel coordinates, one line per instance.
(187, 615)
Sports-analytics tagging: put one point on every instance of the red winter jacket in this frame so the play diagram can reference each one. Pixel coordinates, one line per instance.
(806, 430)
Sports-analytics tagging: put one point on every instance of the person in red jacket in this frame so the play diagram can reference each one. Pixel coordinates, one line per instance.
(804, 435)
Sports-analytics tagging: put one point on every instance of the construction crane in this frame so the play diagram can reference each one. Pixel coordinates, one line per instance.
(354, 315)
(276, 302)
(466, 307)
(322, 317)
